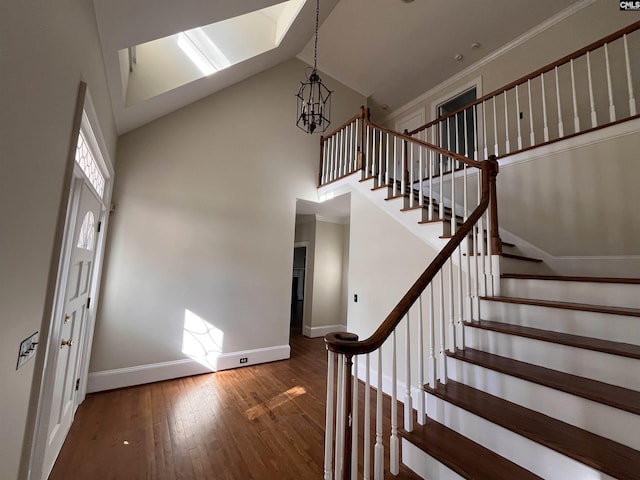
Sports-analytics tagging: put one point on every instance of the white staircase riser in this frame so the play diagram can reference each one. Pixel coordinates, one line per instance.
(532, 456)
(612, 369)
(616, 328)
(613, 423)
(424, 464)
(594, 293)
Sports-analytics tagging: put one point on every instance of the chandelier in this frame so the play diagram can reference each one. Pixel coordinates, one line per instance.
(314, 98)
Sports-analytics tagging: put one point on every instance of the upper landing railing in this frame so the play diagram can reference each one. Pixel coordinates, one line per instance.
(589, 89)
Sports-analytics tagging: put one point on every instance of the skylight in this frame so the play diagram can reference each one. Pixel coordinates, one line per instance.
(169, 62)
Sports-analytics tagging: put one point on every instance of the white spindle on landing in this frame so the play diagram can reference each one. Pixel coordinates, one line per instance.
(484, 130)
(560, 124)
(576, 117)
(612, 107)
(403, 167)
(395, 166)
(386, 162)
(367, 159)
(532, 135)
(592, 103)
(421, 177)
(495, 129)
(545, 128)
(411, 175)
(380, 159)
(632, 100)
(507, 143)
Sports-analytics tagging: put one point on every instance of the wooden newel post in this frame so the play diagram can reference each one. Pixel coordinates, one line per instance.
(361, 149)
(496, 242)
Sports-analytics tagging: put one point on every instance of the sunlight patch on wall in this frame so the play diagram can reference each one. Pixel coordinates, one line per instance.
(155, 67)
(201, 341)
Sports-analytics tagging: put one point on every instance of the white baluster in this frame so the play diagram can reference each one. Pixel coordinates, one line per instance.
(408, 401)
(507, 143)
(484, 130)
(394, 441)
(452, 301)
(576, 118)
(395, 165)
(632, 100)
(433, 365)
(441, 191)
(495, 129)
(592, 103)
(411, 176)
(328, 439)
(403, 167)
(341, 168)
(367, 159)
(421, 176)
(352, 156)
(612, 107)
(475, 136)
(354, 421)
(560, 124)
(544, 110)
(442, 358)
(421, 403)
(518, 120)
(340, 404)
(380, 159)
(357, 140)
(386, 168)
(431, 174)
(378, 456)
(367, 420)
(532, 135)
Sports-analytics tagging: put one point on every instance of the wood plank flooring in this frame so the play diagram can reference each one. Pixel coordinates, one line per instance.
(261, 422)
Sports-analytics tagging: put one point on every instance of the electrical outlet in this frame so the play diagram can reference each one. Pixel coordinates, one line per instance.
(27, 349)
(244, 360)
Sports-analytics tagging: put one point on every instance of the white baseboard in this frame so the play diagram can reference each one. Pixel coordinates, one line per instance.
(156, 372)
(313, 332)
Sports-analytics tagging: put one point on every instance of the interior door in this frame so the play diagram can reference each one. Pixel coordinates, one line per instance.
(73, 321)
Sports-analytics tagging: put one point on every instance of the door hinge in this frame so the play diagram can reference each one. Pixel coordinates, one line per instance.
(77, 384)
(99, 226)
(88, 302)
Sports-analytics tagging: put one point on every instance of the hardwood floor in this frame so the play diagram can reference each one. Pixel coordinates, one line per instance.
(261, 422)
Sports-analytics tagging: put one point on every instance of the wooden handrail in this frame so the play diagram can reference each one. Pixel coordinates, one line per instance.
(348, 343)
(566, 59)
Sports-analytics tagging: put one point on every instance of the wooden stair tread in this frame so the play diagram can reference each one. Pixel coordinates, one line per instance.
(606, 394)
(462, 455)
(585, 307)
(588, 343)
(520, 257)
(600, 453)
(569, 278)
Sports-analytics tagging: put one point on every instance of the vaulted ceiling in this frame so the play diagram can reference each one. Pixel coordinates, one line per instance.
(390, 51)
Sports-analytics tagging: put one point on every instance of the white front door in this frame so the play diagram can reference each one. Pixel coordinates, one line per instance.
(73, 321)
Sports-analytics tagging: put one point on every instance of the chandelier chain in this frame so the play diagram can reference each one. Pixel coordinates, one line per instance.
(315, 47)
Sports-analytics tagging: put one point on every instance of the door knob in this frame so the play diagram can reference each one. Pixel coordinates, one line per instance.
(68, 343)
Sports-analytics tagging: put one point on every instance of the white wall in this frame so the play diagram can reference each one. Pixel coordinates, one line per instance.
(205, 212)
(47, 49)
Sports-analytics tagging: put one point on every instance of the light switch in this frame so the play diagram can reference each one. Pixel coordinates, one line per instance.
(27, 350)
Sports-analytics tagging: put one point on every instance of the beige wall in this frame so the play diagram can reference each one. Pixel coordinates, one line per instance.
(575, 203)
(47, 49)
(205, 214)
(327, 273)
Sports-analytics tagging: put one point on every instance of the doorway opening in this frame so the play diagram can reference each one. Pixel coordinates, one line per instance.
(297, 288)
